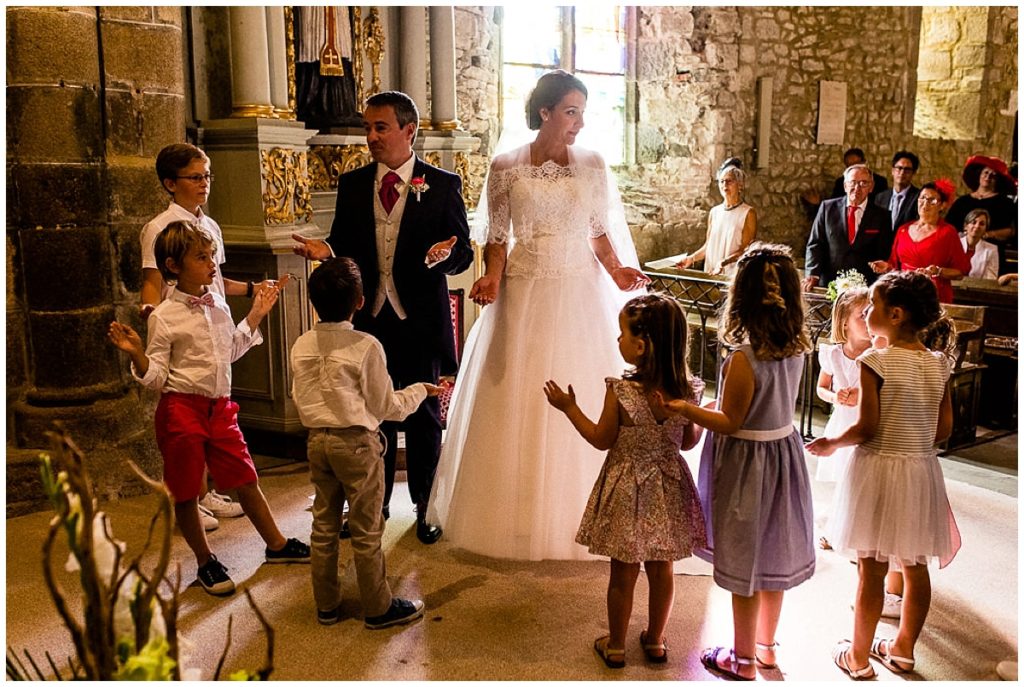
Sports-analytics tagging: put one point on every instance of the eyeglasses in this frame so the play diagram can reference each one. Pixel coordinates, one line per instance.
(859, 184)
(198, 178)
(929, 201)
(900, 168)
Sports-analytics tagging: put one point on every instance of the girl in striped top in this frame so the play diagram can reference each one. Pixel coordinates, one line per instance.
(891, 506)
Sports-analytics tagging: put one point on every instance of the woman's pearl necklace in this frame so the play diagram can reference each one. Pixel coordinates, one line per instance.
(733, 207)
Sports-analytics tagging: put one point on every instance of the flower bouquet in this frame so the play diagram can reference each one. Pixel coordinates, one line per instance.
(847, 279)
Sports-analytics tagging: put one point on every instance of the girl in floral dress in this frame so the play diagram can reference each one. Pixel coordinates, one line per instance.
(644, 507)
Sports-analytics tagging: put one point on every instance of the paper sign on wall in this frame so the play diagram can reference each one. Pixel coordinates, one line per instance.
(831, 112)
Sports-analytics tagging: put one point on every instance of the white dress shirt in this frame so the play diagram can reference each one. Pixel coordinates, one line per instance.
(176, 213)
(190, 349)
(340, 379)
(387, 236)
(985, 261)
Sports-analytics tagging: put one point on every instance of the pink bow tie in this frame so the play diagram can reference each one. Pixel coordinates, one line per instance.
(197, 301)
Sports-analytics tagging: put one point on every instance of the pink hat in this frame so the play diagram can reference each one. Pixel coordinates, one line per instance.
(1006, 184)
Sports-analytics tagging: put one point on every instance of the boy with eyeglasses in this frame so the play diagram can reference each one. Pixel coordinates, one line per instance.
(184, 172)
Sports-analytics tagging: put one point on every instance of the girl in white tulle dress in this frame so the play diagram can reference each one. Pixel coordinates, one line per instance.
(644, 507)
(839, 379)
(891, 507)
(513, 476)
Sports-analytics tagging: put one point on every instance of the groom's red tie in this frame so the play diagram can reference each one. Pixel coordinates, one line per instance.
(389, 191)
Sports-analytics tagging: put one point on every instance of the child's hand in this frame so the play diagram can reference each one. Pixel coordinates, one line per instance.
(848, 396)
(263, 300)
(271, 284)
(559, 399)
(821, 447)
(672, 406)
(125, 338)
(433, 389)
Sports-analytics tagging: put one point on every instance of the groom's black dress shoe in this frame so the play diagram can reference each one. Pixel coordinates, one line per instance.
(428, 534)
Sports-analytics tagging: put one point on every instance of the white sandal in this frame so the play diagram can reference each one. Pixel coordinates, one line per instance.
(889, 660)
(766, 647)
(841, 657)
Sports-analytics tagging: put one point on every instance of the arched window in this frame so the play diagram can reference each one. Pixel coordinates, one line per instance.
(587, 41)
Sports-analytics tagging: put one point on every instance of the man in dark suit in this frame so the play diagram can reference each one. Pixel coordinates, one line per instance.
(404, 223)
(811, 199)
(901, 199)
(847, 233)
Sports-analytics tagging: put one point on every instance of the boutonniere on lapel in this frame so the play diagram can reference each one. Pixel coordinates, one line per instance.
(418, 185)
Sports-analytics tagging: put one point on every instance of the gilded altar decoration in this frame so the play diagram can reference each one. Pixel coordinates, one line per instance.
(358, 45)
(432, 158)
(286, 191)
(374, 47)
(469, 194)
(327, 163)
(289, 41)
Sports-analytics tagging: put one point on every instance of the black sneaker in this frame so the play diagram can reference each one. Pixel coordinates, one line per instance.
(328, 617)
(293, 551)
(400, 613)
(214, 578)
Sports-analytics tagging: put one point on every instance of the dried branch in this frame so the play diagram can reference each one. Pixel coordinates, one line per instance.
(53, 666)
(77, 635)
(224, 654)
(264, 673)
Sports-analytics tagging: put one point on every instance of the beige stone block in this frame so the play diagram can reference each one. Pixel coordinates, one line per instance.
(50, 45)
(768, 29)
(941, 26)
(974, 27)
(143, 56)
(933, 66)
(170, 15)
(53, 123)
(968, 56)
(126, 13)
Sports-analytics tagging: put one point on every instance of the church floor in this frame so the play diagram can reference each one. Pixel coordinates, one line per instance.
(490, 619)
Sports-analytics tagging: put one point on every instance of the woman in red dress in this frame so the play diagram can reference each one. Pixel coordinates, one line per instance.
(929, 244)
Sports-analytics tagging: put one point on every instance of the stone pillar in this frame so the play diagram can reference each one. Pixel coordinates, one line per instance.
(413, 42)
(278, 59)
(442, 68)
(250, 63)
(79, 189)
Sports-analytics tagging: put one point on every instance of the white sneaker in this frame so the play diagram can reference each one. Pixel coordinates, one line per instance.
(209, 522)
(221, 506)
(893, 606)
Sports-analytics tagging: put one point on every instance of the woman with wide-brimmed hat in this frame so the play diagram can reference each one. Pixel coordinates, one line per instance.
(991, 187)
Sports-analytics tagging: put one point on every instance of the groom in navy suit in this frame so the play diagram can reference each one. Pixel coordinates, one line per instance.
(848, 233)
(404, 223)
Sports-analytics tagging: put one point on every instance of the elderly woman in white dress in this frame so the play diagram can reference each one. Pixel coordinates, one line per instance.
(732, 225)
(985, 261)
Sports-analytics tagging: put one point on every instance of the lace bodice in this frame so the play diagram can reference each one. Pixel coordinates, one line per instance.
(547, 214)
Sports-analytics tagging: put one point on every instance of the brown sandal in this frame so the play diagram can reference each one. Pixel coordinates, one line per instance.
(650, 649)
(606, 654)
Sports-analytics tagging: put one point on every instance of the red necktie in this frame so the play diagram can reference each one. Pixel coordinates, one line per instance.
(388, 191)
(851, 222)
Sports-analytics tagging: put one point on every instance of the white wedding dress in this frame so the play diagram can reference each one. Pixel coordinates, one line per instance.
(514, 475)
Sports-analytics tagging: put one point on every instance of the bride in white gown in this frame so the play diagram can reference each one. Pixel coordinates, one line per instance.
(514, 476)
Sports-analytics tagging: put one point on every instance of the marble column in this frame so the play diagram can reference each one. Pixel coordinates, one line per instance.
(250, 63)
(278, 59)
(414, 59)
(442, 68)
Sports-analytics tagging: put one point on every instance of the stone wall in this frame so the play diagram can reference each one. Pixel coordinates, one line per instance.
(476, 77)
(697, 72)
(92, 95)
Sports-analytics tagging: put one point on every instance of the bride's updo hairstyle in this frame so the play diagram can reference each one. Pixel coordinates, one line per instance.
(548, 92)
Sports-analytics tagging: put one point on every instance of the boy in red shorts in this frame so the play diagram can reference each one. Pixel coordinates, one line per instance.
(191, 344)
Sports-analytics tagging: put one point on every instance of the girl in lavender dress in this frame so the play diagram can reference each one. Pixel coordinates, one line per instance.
(761, 525)
(644, 506)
